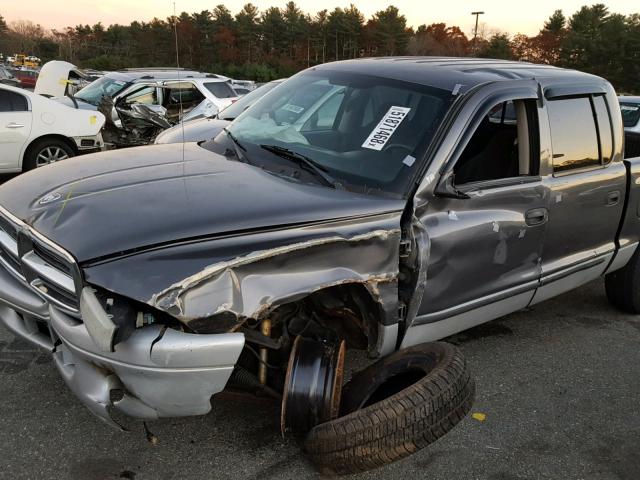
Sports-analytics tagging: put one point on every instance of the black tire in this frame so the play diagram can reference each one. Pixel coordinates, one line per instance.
(623, 286)
(40, 147)
(410, 418)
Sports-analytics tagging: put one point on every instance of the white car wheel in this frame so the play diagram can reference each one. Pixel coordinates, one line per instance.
(50, 155)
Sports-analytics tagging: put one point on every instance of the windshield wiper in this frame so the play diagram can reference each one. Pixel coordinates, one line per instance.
(305, 162)
(234, 139)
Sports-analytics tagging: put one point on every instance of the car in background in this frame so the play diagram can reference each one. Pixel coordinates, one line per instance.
(58, 78)
(630, 108)
(7, 78)
(206, 128)
(245, 85)
(241, 91)
(36, 131)
(26, 77)
(184, 94)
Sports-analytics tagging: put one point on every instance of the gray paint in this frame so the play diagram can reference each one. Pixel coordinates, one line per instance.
(464, 260)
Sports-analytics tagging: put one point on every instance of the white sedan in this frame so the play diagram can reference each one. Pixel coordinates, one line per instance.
(36, 131)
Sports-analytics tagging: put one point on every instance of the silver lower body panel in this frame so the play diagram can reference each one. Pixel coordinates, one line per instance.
(156, 372)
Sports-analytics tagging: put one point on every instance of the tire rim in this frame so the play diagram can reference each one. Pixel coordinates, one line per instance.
(50, 155)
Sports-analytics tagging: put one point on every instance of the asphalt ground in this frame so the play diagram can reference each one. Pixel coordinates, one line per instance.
(557, 383)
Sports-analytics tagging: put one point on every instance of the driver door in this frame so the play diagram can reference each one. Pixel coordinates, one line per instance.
(486, 218)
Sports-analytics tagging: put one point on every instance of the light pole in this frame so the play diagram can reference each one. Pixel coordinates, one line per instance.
(475, 30)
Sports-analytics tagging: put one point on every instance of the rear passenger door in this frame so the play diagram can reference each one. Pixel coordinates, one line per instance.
(587, 189)
(15, 127)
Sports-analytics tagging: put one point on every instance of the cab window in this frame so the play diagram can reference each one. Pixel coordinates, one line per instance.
(574, 134)
(504, 145)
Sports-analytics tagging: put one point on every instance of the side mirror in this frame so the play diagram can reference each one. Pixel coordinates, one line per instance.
(446, 187)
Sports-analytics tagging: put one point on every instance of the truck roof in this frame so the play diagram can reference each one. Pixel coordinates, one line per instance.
(447, 72)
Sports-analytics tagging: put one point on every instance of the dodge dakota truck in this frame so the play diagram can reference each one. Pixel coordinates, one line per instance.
(373, 204)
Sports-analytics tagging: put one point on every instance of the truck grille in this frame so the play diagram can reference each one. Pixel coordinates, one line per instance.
(38, 262)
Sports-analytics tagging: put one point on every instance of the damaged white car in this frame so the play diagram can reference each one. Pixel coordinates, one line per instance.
(36, 131)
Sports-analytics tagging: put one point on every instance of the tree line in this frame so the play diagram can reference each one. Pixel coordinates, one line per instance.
(277, 42)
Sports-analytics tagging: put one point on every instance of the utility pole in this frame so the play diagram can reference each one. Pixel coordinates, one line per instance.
(475, 30)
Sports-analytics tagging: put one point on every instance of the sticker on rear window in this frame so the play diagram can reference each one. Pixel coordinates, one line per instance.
(293, 108)
(628, 108)
(383, 131)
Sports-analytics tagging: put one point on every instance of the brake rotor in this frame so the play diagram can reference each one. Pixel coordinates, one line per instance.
(313, 385)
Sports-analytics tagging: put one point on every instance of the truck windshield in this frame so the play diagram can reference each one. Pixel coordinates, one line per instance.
(97, 90)
(630, 113)
(365, 131)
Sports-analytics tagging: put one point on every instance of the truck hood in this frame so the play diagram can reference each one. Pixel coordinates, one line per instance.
(120, 201)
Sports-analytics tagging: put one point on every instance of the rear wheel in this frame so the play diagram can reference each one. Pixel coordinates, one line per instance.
(393, 408)
(45, 152)
(623, 286)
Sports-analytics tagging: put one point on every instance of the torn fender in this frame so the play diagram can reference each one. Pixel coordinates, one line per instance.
(228, 280)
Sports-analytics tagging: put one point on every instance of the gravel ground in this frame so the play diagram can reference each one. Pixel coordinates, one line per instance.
(558, 384)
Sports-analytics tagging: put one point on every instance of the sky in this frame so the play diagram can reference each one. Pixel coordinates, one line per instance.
(515, 16)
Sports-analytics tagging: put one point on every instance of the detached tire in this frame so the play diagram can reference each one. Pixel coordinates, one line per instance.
(45, 152)
(623, 286)
(394, 408)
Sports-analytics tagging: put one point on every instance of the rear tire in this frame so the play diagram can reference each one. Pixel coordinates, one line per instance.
(46, 151)
(388, 428)
(623, 286)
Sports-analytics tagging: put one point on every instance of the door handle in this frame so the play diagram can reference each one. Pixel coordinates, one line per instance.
(536, 216)
(15, 125)
(613, 197)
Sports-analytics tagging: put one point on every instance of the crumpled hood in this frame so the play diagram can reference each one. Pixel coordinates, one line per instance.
(119, 201)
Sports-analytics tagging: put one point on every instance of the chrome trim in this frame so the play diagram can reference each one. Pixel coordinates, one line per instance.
(576, 267)
(430, 332)
(9, 243)
(37, 284)
(39, 265)
(20, 224)
(43, 269)
(474, 304)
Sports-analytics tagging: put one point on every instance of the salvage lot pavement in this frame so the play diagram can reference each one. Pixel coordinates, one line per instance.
(558, 384)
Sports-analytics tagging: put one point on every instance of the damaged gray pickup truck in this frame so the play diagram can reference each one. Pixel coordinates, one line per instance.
(373, 204)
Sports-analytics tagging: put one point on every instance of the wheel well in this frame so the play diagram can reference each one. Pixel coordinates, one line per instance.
(62, 138)
(349, 310)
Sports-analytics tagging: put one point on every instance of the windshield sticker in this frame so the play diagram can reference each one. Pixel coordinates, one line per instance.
(409, 160)
(293, 108)
(383, 131)
(628, 108)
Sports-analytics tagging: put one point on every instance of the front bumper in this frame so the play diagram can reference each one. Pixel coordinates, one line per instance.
(156, 372)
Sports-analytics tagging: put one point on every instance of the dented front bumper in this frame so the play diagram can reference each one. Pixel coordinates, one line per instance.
(156, 372)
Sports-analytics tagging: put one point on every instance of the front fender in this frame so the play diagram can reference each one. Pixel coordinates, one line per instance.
(227, 280)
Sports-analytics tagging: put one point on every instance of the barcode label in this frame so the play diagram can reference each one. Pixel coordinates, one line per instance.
(385, 128)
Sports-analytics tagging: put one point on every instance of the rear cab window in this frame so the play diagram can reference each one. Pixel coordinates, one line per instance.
(220, 89)
(581, 135)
